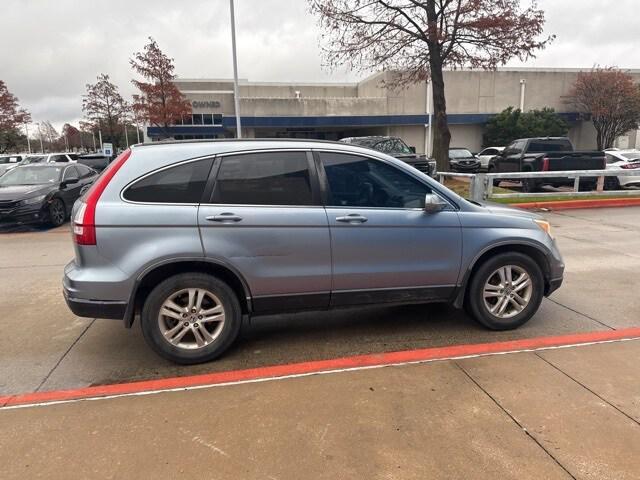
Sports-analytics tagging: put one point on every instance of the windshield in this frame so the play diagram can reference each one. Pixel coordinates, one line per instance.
(31, 176)
(398, 146)
(5, 160)
(632, 156)
(460, 153)
(36, 159)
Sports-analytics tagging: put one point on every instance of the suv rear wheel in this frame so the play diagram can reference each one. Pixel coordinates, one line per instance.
(506, 291)
(191, 318)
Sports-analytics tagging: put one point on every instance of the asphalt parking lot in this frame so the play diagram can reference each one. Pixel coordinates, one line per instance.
(44, 347)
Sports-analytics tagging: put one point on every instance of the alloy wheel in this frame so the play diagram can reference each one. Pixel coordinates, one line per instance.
(191, 318)
(507, 291)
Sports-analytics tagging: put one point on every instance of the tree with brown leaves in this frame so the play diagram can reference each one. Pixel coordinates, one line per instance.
(159, 103)
(612, 100)
(105, 108)
(419, 39)
(12, 117)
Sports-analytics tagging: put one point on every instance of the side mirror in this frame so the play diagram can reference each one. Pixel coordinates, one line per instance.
(68, 182)
(433, 204)
(413, 149)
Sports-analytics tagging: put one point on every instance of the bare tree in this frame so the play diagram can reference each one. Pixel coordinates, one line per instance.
(611, 98)
(105, 108)
(419, 39)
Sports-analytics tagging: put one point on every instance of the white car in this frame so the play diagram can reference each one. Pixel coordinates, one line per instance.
(50, 158)
(623, 160)
(487, 154)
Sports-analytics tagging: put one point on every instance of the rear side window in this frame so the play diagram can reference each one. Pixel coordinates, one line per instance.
(550, 146)
(278, 178)
(183, 183)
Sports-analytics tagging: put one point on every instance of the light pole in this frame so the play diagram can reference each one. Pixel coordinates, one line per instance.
(26, 129)
(427, 130)
(40, 135)
(236, 103)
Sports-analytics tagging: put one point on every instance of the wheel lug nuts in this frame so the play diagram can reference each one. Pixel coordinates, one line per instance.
(195, 325)
(186, 324)
(199, 317)
(184, 315)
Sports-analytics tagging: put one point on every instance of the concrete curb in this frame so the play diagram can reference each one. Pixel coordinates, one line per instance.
(314, 367)
(575, 204)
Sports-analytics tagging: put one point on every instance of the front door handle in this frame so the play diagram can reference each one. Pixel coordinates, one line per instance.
(352, 218)
(226, 217)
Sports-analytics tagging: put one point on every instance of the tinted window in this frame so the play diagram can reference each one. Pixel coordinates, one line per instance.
(180, 184)
(59, 158)
(84, 171)
(70, 172)
(489, 151)
(550, 146)
(361, 182)
(264, 179)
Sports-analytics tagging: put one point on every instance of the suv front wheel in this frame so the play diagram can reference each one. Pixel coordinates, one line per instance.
(191, 318)
(506, 291)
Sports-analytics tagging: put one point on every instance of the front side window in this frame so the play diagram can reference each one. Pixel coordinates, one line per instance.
(70, 173)
(183, 183)
(278, 178)
(356, 181)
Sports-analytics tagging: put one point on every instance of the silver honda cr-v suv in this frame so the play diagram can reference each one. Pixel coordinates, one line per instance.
(195, 237)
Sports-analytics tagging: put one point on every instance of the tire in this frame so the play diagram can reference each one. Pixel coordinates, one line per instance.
(187, 350)
(57, 212)
(496, 181)
(488, 273)
(611, 183)
(529, 185)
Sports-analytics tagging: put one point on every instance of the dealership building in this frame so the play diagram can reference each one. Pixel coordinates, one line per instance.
(335, 110)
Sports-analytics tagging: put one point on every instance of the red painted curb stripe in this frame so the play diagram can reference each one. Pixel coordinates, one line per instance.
(381, 359)
(574, 204)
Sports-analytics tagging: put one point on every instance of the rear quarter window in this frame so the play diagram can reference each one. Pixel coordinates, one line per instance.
(184, 183)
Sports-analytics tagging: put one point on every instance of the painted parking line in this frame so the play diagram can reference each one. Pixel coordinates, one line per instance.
(336, 365)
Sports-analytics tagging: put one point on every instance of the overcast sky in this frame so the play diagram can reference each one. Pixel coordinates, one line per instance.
(49, 49)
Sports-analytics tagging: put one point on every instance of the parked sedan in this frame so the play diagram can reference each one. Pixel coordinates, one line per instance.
(7, 162)
(487, 154)
(462, 160)
(42, 193)
(622, 160)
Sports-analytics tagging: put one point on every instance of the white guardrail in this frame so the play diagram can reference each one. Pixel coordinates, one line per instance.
(481, 184)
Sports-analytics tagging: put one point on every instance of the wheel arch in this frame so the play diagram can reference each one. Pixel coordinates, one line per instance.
(533, 251)
(158, 272)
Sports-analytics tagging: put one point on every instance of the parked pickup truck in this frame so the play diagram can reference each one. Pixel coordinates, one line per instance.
(547, 154)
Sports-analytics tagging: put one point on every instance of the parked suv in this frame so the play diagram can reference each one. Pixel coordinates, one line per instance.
(196, 237)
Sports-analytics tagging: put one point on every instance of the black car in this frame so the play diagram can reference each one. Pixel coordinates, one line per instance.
(462, 160)
(396, 147)
(42, 193)
(96, 161)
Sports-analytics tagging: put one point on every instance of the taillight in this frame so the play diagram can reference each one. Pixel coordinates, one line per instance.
(84, 222)
(545, 164)
(630, 166)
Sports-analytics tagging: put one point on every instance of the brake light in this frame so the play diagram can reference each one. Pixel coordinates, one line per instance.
(545, 164)
(84, 222)
(630, 166)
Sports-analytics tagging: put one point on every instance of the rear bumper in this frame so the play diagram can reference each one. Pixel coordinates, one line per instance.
(95, 308)
(553, 285)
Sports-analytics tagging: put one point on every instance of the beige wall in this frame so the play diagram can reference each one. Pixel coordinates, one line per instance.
(467, 92)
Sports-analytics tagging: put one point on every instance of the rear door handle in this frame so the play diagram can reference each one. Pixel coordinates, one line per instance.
(352, 218)
(226, 217)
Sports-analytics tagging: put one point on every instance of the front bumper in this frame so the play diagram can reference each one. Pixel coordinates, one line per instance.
(553, 285)
(464, 168)
(23, 215)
